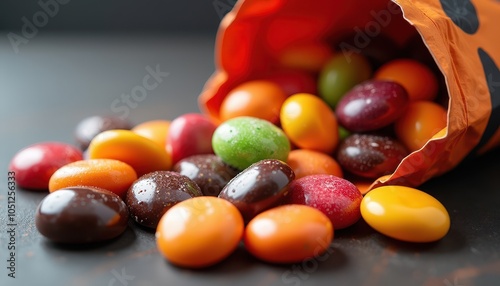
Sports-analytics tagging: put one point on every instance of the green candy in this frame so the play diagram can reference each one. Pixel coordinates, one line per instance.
(341, 73)
(242, 141)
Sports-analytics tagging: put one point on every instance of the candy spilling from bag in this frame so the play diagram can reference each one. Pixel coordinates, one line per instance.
(319, 114)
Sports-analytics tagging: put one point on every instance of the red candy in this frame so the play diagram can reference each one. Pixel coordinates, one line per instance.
(371, 105)
(337, 198)
(190, 134)
(35, 164)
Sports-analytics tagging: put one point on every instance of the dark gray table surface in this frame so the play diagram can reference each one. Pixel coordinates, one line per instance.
(56, 80)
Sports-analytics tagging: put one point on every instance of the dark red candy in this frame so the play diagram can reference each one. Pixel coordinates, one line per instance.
(150, 196)
(258, 187)
(208, 171)
(336, 197)
(34, 165)
(372, 105)
(370, 156)
(89, 127)
(81, 215)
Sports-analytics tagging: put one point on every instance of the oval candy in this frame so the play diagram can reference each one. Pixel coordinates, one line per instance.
(112, 175)
(337, 198)
(288, 234)
(208, 171)
(141, 153)
(258, 187)
(371, 105)
(309, 123)
(199, 232)
(151, 195)
(81, 215)
(244, 140)
(190, 134)
(370, 156)
(35, 164)
(405, 214)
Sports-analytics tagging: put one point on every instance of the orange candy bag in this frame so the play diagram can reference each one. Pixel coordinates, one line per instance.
(460, 35)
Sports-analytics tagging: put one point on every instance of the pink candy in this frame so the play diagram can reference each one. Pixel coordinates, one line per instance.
(35, 164)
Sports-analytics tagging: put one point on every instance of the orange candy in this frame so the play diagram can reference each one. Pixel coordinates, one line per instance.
(155, 130)
(309, 123)
(199, 232)
(112, 175)
(141, 153)
(418, 80)
(258, 98)
(421, 121)
(310, 57)
(308, 162)
(288, 234)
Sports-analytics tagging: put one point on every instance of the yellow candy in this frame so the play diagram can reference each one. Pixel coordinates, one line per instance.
(155, 130)
(405, 213)
(142, 154)
(309, 123)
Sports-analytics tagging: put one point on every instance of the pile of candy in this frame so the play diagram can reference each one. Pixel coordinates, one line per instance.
(270, 173)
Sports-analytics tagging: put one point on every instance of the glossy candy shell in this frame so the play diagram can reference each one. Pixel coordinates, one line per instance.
(340, 74)
(288, 234)
(371, 105)
(34, 165)
(112, 175)
(141, 153)
(208, 171)
(370, 156)
(151, 195)
(309, 123)
(405, 213)
(190, 134)
(154, 130)
(418, 80)
(89, 127)
(258, 187)
(257, 98)
(421, 121)
(78, 215)
(308, 162)
(199, 232)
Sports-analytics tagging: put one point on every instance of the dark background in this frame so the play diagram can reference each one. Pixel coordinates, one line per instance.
(173, 16)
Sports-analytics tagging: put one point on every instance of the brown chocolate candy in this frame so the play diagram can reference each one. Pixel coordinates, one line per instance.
(81, 215)
(370, 156)
(258, 187)
(208, 171)
(150, 196)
